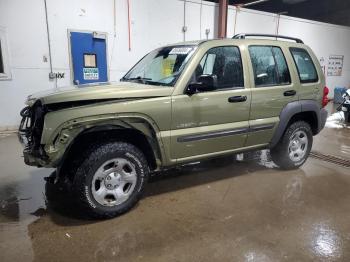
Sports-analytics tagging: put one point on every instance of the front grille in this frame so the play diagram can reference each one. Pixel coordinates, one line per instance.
(26, 126)
(31, 127)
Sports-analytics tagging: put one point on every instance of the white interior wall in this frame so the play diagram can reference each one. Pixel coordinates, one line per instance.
(324, 39)
(153, 23)
(250, 22)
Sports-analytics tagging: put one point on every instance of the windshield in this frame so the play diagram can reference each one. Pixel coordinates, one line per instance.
(162, 66)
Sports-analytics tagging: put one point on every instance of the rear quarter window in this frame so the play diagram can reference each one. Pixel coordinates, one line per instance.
(305, 66)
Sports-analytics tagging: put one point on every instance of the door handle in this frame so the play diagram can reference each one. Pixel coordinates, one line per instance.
(236, 99)
(290, 93)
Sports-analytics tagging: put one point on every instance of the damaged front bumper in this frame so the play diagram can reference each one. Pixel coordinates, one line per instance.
(33, 157)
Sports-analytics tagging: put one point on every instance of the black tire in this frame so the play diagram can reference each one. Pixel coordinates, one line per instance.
(280, 153)
(92, 161)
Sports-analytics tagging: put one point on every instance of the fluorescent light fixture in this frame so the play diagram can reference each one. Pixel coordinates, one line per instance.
(293, 2)
(253, 3)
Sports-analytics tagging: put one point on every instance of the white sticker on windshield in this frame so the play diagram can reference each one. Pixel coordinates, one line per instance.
(180, 50)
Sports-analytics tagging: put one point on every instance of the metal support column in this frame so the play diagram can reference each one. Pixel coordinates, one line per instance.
(222, 19)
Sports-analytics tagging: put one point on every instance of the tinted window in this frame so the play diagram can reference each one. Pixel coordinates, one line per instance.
(269, 65)
(225, 63)
(306, 68)
(1, 62)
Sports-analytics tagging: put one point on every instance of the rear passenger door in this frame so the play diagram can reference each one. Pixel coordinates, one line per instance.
(272, 89)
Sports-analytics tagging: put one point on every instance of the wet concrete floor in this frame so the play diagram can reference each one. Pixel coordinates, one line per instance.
(222, 210)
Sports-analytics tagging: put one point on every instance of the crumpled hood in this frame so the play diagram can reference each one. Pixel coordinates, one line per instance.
(99, 91)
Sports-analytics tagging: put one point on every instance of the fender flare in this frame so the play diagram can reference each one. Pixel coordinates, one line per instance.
(294, 108)
(120, 122)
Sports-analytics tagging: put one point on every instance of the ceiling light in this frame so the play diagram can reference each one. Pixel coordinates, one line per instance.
(293, 2)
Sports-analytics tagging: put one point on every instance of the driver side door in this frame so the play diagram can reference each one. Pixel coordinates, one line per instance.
(215, 122)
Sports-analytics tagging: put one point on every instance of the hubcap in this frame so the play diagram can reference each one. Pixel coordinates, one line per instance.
(113, 182)
(298, 146)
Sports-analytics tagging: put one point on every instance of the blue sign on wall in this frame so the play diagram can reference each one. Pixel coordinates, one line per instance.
(89, 58)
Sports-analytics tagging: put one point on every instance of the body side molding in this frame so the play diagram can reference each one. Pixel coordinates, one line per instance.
(230, 132)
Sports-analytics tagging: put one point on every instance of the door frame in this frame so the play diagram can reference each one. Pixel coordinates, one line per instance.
(70, 55)
(179, 93)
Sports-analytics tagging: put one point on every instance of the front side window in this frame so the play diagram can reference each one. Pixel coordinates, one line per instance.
(306, 68)
(162, 66)
(269, 66)
(225, 64)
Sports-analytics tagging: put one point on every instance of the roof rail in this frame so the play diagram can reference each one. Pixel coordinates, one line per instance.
(243, 36)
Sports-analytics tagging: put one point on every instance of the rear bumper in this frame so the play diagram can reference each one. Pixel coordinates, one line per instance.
(323, 119)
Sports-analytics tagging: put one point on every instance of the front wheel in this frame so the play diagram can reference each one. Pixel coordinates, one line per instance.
(294, 147)
(111, 179)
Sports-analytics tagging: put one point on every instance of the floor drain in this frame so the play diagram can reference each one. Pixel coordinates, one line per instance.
(331, 159)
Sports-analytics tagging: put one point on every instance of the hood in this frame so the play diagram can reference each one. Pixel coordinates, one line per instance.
(101, 91)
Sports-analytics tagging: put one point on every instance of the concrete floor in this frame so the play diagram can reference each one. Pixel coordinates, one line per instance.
(223, 210)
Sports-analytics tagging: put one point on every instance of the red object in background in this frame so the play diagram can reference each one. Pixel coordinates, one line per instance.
(325, 96)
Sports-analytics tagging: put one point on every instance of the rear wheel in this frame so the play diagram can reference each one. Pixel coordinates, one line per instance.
(111, 179)
(294, 147)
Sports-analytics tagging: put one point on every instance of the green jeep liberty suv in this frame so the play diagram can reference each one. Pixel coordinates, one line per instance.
(180, 103)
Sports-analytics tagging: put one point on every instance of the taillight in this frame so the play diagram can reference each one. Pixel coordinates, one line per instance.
(325, 98)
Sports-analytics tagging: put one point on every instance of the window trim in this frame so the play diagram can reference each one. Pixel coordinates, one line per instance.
(273, 55)
(224, 88)
(5, 55)
(313, 64)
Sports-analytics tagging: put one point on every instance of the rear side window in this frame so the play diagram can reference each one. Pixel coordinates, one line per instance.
(306, 68)
(269, 65)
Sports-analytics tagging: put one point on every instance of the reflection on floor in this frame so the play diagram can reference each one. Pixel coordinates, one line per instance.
(219, 210)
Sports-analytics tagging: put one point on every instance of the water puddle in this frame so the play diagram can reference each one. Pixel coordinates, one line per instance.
(337, 120)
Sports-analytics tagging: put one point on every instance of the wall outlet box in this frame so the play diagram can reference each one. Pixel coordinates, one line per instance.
(52, 75)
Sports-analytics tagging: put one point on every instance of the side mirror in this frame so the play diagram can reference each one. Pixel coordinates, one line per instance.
(204, 83)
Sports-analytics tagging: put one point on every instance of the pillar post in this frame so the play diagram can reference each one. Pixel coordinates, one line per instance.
(222, 19)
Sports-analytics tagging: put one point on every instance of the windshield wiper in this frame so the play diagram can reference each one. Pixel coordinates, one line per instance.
(156, 83)
(143, 79)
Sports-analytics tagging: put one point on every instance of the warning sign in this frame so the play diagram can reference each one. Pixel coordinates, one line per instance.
(335, 65)
(91, 73)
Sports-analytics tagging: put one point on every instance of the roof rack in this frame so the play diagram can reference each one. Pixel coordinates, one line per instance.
(243, 36)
